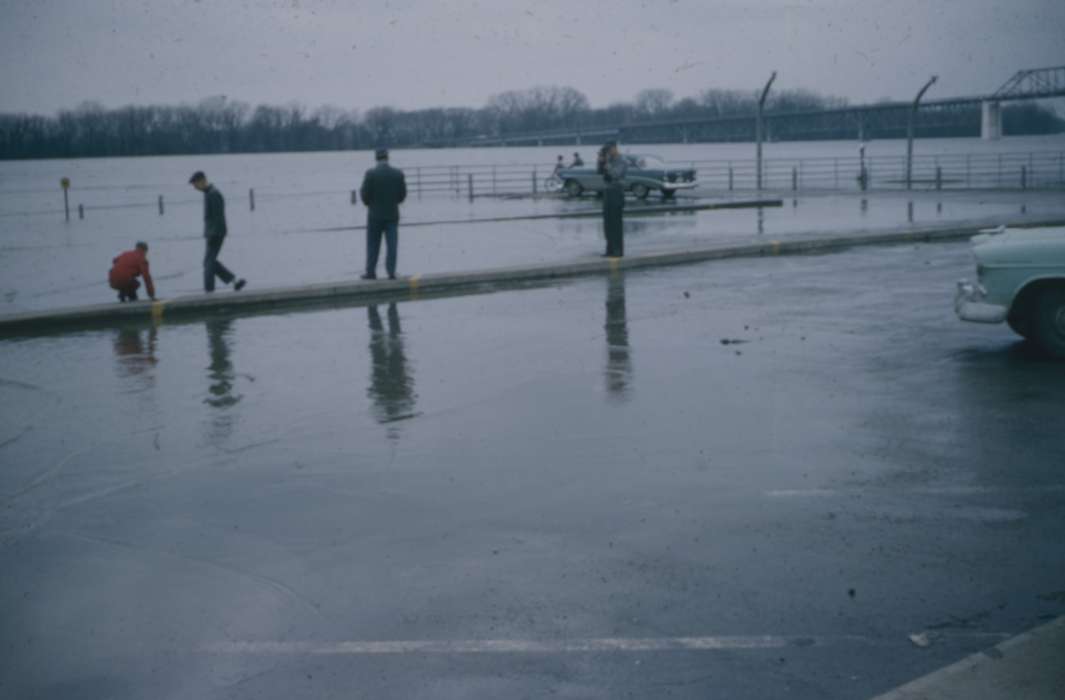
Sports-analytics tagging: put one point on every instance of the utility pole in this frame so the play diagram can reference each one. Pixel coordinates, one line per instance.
(909, 131)
(759, 129)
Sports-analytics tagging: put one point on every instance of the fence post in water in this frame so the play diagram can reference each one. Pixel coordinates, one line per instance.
(1024, 177)
(469, 181)
(939, 178)
(794, 179)
(493, 179)
(968, 170)
(65, 184)
(251, 199)
(835, 173)
(730, 176)
(81, 211)
(534, 181)
(160, 205)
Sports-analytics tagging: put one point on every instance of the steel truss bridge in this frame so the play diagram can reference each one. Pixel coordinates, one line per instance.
(882, 120)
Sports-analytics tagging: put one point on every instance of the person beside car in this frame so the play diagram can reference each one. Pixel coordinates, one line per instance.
(613, 167)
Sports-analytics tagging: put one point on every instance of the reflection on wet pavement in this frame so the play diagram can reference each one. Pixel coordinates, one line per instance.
(391, 387)
(135, 357)
(618, 364)
(221, 378)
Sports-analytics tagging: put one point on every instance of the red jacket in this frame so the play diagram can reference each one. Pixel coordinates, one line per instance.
(127, 266)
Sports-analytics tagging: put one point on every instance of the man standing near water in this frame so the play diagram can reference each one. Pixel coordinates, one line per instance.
(214, 230)
(383, 189)
(612, 167)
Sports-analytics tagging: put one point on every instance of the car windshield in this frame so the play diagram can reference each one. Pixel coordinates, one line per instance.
(641, 160)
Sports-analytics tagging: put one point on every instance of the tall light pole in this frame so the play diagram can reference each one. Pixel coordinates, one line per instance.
(759, 129)
(909, 131)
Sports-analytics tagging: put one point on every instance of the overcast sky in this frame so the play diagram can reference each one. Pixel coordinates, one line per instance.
(420, 53)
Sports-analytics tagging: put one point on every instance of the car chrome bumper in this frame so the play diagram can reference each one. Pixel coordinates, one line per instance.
(679, 185)
(970, 304)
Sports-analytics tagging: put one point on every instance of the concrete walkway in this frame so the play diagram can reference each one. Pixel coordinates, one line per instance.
(406, 287)
(1029, 666)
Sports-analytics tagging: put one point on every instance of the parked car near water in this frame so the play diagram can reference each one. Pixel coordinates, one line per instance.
(1020, 279)
(646, 174)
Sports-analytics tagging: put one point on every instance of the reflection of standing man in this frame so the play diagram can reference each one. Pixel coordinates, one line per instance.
(220, 371)
(391, 387)
(221, 379)
(612, 167)
(618, 364)
(214, 230)
(383, 189)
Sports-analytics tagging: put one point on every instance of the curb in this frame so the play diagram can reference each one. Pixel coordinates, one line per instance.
(411, 287)
(1026, 666)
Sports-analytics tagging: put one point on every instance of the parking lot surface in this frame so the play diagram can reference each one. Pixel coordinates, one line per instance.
(744, 479)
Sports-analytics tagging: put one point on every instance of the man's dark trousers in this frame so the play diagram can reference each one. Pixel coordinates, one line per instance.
(212, 266)
(375, 228)
(613, 223)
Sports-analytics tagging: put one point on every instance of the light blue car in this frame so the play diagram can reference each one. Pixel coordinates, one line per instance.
(1020, 279)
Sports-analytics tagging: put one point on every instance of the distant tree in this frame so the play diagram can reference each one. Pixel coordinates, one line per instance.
(653, 103)
(219, 125)
(536, 109)
(380, 125)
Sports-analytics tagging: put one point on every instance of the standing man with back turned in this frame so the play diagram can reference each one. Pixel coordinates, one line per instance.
(383, 189)
(612, 167)
(214, 230)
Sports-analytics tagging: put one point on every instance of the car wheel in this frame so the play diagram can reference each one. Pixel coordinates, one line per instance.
(1050, 321)
(640, 190)
(1020, 324)
(573, 188)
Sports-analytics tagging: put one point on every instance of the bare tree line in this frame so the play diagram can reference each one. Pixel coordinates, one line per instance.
(221, 125)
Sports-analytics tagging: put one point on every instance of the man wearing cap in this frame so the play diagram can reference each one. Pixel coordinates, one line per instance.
(126, 268)
(214, 230)
(383, 189)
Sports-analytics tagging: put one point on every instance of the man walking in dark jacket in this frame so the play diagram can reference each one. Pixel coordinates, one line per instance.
(214, 230)
(383, 189)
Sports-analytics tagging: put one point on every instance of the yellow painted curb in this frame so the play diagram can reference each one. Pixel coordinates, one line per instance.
(157, 311)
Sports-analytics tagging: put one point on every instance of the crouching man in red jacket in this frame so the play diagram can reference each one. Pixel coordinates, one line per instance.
(127, 267)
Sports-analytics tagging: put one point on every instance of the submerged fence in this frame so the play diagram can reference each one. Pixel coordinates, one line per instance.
(1001, 171)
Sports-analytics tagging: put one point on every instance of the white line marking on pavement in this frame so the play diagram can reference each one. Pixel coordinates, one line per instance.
(542, 646)
(502, 646)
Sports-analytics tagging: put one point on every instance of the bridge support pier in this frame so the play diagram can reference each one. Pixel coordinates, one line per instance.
(990, 120)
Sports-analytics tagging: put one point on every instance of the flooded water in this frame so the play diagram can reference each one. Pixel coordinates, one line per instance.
(46, 262)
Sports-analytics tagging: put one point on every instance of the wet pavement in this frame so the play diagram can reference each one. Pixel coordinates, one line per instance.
(751, 478)
(297, 240)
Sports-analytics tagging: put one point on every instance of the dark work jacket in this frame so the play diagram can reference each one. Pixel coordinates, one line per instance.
(383, 189)
(214, 213)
